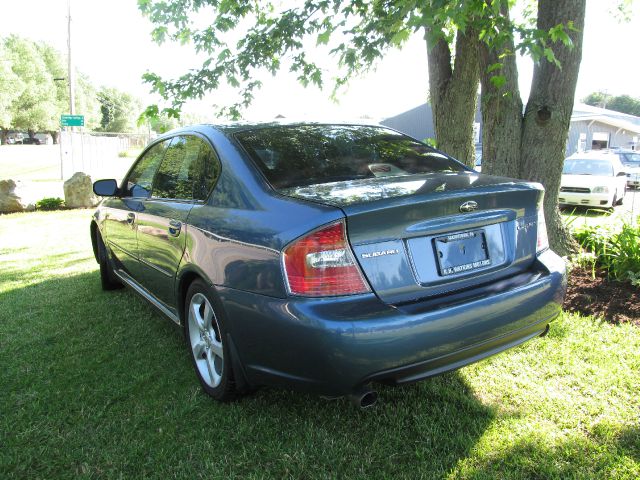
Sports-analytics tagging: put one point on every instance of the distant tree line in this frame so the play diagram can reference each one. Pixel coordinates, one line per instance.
(619, 103)
(34, 92)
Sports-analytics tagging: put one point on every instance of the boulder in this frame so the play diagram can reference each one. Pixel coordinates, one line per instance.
(78, 191)
(10, 202)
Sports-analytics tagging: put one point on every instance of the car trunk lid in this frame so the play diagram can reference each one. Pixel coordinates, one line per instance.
(424, 236)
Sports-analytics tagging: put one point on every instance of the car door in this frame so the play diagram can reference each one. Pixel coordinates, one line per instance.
(122, 211)
(184, 178)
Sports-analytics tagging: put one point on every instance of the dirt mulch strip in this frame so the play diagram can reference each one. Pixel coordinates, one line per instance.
(615, 302)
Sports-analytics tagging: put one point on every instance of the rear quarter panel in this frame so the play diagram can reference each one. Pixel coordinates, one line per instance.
(236, 238)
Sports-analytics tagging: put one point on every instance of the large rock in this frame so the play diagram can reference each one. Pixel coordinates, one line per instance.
(10, 202)
(78, 191)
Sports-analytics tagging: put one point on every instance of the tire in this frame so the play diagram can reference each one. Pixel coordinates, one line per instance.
(624, 194)
(206, 339)
(108, 279)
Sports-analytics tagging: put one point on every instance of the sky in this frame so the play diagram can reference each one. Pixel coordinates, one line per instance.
(111, 43)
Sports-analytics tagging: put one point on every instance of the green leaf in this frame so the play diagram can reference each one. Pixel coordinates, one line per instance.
(400, 37)
(498, 81)
(494, 67)
(323, 38)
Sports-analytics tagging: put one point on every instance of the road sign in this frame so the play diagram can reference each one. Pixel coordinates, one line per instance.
(72, 120)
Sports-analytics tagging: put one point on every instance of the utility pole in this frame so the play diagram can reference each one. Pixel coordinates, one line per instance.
(71, 75)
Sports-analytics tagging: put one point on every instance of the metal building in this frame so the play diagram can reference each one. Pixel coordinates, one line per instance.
(591, 127)
(595, 128)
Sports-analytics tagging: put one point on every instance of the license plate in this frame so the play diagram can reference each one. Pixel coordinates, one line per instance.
(461, 252)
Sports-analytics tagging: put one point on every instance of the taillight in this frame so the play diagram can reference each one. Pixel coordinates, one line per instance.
(543, 240)
(321, 264)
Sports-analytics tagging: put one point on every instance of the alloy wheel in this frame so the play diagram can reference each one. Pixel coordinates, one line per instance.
(205, 340)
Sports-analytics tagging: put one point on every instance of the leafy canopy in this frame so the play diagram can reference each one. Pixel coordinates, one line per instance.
(33, 82)
(241, 40)
(119, 110)
(619, 103)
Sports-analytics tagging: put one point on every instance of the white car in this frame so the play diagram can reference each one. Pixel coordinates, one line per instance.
(631, 161)
(593, 179)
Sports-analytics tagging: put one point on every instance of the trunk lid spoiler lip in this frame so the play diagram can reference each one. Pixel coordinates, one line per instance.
(348, 194)
(435, 226)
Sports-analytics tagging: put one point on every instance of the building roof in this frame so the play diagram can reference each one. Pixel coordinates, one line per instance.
(587, 113)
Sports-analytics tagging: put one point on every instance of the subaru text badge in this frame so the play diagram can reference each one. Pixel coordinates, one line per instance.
(468, 206)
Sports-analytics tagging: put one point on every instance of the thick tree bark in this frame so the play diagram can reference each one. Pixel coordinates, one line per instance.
(55, 134)
(4, 133)
(501, 109)
(453, 93)
(532, 146)
(548, 113)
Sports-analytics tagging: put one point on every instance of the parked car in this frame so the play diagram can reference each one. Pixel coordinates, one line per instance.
(14, 138)
(30, 141)
(44, 138)
(594, 179)
(326, 257)
(631, 161)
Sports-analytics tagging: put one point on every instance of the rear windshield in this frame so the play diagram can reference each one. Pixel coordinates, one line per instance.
(602, 168)
(299, 155)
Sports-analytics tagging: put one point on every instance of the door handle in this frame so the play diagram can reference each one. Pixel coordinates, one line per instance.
(174, 228)
(131, 218)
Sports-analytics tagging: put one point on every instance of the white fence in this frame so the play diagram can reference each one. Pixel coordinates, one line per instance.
(101, 155)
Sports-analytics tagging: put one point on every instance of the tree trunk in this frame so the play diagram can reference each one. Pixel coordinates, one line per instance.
(548, 114)
(4, 133)
(453, 92)
(55, 136)
(501, 108)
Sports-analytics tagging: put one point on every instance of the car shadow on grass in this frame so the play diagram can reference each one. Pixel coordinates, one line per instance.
(99, 384)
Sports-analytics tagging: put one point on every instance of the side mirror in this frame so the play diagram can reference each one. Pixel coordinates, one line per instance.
(105, 188)
(621, 174)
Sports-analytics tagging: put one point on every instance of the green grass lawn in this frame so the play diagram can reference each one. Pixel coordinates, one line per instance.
(30, 162)
(97, 385)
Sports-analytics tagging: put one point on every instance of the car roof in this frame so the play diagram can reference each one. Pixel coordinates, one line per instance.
(595, 155)
(241, 126)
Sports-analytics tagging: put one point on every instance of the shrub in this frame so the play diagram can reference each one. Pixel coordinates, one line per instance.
(131, 153)
(617, 252)
(50, 203)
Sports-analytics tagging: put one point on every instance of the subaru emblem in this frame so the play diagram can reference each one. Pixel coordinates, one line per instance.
(468, 206)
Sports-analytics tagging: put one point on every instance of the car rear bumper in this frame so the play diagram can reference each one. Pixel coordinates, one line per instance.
(333, 346)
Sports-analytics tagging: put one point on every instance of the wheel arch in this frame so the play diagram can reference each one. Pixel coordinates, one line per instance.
(184, 280)
(94, 239)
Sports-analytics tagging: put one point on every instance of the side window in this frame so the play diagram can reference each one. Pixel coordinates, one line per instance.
(188, 171)
(140, 179)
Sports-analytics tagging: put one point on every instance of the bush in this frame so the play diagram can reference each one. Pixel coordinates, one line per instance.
(131, 153)
(50, 203)
(617, 252)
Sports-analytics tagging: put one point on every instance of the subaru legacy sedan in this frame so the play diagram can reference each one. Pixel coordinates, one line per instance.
(326, 257)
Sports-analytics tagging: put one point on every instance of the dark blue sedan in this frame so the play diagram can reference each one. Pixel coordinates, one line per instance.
(327, 257)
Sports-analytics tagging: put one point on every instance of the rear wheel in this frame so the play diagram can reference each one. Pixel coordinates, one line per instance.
(108, 279)
(206, 338)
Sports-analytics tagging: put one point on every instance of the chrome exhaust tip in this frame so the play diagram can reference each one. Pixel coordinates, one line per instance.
(364, 398)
